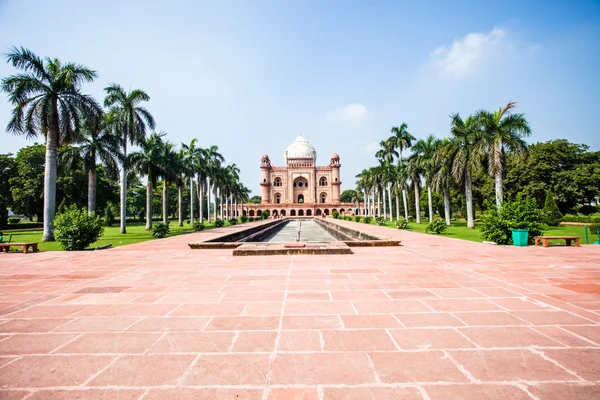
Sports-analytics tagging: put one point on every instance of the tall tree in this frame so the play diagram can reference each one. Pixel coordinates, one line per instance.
(171, 172)
(442, 179)
(212, 160)
(47, 100)
(403, 140)
(128, 119)
(503, 132)
(423, 152)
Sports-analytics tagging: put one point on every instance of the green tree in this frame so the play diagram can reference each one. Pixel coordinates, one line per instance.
(347, 195)
(402, 139)
(128, 120)
(553, 214)
(27, 186)
(8, 170)
(47, 100)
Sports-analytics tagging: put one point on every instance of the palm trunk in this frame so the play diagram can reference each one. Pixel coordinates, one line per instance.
(200, 187)
(373, 202)
(417, 203)
(221, 203)
(149, 196)
(226, 206)
(191, 199)
(165, 202)
(430, 204)
(92, 190)
(405, 204)
(367, 202)
(208, 198)
(215, 189)
(50, 179)
(447, 205)
(469, 198)
(123, 222)
(389, 190)
(499, 189)
(180, 205)
(378, 202)
(397, 206)
(384, 206)
(235, 213)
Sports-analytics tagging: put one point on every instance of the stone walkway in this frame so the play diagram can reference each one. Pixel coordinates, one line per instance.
(436, 318)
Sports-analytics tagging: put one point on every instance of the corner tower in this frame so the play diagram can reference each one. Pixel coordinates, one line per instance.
(265, 183)
(335, 178)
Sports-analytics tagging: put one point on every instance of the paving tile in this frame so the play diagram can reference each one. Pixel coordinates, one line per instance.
(242, 323)
(359, 295)
(204, 394)
(144, 370)
(559, 391)
(229, 369)
(476, 392)
(390, 306)
(264, 309)
(137, 310)
(423, 339)
(550, 318)
(207, 309)
(299, 341)
(584, 362)
(430, 366)
(32, 325)
(492, 318)
(104, 324)
(308, 296)
(259, 296)
(198, 297)
(314, 369)
(507, 337)
(193, 342)
(373, 393)
(357, 340)
(43, 311)
(319, 308)
(170, 324)
(563, 336)
(311, 322)
(49, 371)
(88, 394)
(429, 320)
(255, 341)
(33, 344)
(519, 304)
(456, 305)
(589, 332)
(509, 365)
(370, 321)
(293, 394)
(13, 394)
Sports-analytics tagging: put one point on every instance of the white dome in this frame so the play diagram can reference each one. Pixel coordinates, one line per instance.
(300, 148)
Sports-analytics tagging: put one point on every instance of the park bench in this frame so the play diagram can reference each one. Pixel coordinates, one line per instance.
(568, 239)
(25, 246)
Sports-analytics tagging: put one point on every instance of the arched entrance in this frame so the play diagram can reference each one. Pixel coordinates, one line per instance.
(292, 213)
(318, 211)
(252, 213)
(282, 213)
(326, 212)
(301, 213)
(275, 213)
(309, 213)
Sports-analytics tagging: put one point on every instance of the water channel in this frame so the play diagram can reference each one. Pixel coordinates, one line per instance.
(300, 231)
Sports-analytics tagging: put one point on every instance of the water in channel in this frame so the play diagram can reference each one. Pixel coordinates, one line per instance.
(309, 232)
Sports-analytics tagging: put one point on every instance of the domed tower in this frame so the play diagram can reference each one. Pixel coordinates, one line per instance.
(300, 153)
(335, 177)
(265, 183)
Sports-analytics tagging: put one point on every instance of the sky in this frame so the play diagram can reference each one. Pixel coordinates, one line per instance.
(247, 76)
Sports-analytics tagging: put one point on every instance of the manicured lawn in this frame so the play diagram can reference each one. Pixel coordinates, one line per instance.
(136, 232)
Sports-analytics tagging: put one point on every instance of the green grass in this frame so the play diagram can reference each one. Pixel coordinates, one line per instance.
(136, 232)
(459, 230)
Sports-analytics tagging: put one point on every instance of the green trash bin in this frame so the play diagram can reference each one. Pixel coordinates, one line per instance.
(520, 237)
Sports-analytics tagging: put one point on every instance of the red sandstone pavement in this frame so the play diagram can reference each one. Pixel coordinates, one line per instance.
(436, 318)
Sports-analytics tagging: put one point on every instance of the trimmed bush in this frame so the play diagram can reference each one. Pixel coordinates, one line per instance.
(244, 219)
(367, 219)
(402, 223)
(357, 218)
(264, 215)
(74, 229)
(380, 220)
(593, 228)
(335, 214)
(198, 226)
(160, 230)
(233, 221)
(553, 214)
(13, 220)
(497, 225)
(437, 226)
(219, 223)
(347, 218)
(582, 219)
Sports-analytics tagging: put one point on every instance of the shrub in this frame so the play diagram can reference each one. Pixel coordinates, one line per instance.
(553, 214)
(74, 229)
(594, 229)
(335, 214)
(436, 226)
(402, 223)
(233, 221)
(219, 223)
(367, 219)
(160, 230)
(347, 218)
(497, 225)
(380, 220)
(109, 217)
(357, 218)
(587, 220)
(243, 218)
(587, 210)
(13, 220)
(198, 226)
(264, 214)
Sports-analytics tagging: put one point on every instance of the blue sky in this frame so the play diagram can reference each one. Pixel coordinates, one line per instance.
(247, 75)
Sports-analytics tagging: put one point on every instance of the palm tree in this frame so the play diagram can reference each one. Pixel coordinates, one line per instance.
(386, 156)
(402, 140)
(185, 170)
(212, 160)
(128, 119)
(414, 170)
(401, 184)
(47, 100)
(170, 173)
(96, 144)
(442, 179)
(148, 161)
(503, 132)
(464, 152)
(191, 158)
(423, 152)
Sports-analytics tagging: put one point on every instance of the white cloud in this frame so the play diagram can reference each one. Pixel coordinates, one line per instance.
(351, 113)
(371, 148)
(463, 57)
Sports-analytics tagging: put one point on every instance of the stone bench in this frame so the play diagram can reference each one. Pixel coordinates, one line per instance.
(568, 239)
(25, 246)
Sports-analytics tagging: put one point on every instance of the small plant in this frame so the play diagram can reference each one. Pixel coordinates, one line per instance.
(244, 219)
(233, 221)
(367, 219)
(335, 214)
(13, 220)
(402, 223)
(74, 229)
(160, 230)
(380, 220)
(347, 218)
(264, 215)
(357, 218)
(219, 223)
(198, 226)
(594, 229)
(553, 214)
(497, 225)
(187, 221)
(109, 217)
(437, 226)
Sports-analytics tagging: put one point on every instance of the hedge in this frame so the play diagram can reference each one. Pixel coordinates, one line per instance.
(581, 218)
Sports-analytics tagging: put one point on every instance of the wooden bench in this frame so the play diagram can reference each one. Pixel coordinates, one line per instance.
(25, 246)
(568, 239)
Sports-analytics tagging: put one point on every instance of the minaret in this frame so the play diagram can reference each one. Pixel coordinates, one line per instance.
(335, 177)
(265, 183)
